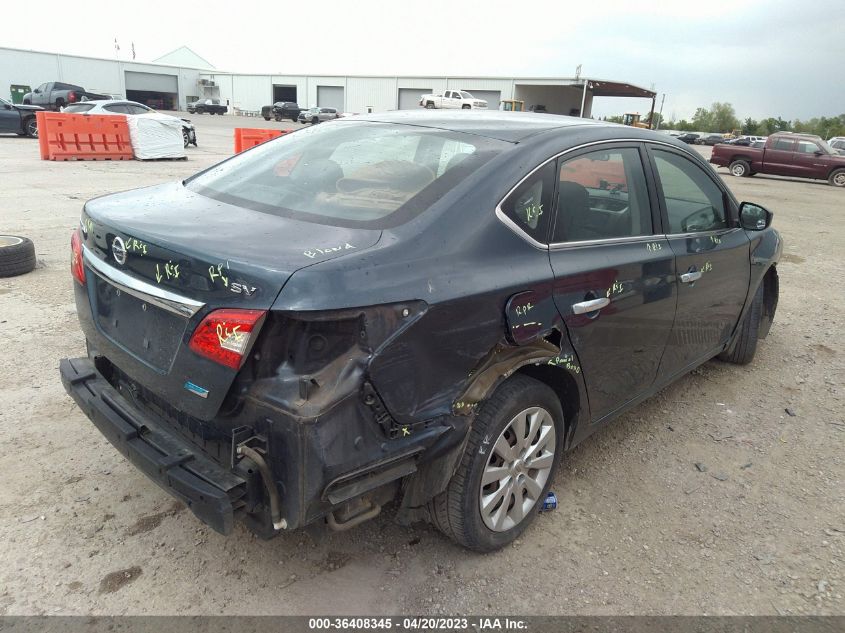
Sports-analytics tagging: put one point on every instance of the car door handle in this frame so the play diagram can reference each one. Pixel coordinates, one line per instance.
(590, 306)
(688, 278)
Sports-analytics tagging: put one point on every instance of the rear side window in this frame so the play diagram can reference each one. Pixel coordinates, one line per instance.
(785, 144)
(78, 108)
(529, 205)
(117, 108)
(694, 202)
(602, 195)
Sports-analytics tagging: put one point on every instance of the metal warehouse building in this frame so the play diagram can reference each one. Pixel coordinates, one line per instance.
(182, 76)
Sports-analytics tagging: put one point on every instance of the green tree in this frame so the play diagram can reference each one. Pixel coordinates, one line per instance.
(702, 120)
(723, 117)
(750, 126)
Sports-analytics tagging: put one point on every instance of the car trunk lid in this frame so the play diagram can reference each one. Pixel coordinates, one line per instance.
(158, 260)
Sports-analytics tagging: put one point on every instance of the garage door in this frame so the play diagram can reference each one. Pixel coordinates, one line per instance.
(492, 97)
(330, 97)
(151, 82)
(409, 98)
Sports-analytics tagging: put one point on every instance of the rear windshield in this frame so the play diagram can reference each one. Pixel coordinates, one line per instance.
(78, 108)
(353, 173)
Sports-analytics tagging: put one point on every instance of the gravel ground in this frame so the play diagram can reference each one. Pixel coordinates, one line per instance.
(721, 495)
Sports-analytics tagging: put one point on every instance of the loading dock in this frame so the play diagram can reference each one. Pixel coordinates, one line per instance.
(409, 98)
(330, 97)
(157, 90)
(284, 93)
(492, 97)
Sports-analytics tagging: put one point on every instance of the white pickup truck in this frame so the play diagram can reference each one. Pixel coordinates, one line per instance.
(457, 99)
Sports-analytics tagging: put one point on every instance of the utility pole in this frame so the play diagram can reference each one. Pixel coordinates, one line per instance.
(660, 114)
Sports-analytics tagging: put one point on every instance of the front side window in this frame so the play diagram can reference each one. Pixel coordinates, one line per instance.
(602, 195)
(694, 202)
(528, 206)
(805, 147)
(350, 173)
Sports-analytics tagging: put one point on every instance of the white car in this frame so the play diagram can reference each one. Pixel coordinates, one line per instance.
(835, 138)
(121, 106)
(452, 99)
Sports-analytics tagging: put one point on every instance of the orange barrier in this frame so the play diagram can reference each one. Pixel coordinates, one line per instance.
(247, 137)
(83, 137)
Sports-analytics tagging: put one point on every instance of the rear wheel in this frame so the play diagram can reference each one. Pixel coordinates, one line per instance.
(17, 255)
(429, 105)
(740, 168)
(744, 345)
(508, 465)
(266, 118)
(837, 178)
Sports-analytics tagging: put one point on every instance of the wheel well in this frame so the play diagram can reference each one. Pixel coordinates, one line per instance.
(745, 158)
(771, 291)
(563, 384)
(834, 170)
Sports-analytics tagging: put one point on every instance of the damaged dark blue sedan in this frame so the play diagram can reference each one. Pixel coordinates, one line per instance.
(424, 308)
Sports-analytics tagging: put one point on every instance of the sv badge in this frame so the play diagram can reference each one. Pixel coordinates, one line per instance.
(245, 289)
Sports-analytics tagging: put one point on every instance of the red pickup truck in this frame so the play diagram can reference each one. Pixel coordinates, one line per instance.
(785, 154)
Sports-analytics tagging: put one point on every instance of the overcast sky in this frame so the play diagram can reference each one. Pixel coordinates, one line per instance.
(766, 57)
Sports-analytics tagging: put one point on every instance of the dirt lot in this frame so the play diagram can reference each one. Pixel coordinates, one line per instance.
(639, 529)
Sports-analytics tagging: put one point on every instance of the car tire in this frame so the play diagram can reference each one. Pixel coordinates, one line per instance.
(315, 121)
(739, 168)
(186, 139)
(294, 119)
(17, 255)
(277, 119)
(457, 512)
(266, 118)
(30, 127)
(429, 105)
(744, 345)
(837, 178)
(466, 107)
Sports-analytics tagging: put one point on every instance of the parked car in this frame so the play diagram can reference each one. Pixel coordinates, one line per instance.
(349, 345)
(452, 99)
(121, 106)
(710, 139)
(286, 110)
(785, 154)
(839, 145)
(688, 137)
(212, 106)
(18, 118)
(55, 95)
(836, 138)
(318, 115)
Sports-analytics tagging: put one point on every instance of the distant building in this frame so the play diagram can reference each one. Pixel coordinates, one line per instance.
(182, 76)
(184, 56)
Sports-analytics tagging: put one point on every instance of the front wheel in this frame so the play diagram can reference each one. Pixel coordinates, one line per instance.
(509, 463)
(315, 121)
(466, 107)
(186, 138)
(837, 178)
(740, 168)
(30, 127)
(744, 345)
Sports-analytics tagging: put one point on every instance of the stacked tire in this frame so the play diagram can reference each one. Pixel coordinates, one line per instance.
(17, 255)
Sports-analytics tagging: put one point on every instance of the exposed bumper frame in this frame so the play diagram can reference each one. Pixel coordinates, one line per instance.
(210, 491)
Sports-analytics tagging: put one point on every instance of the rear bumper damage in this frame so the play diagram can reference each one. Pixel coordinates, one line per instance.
(213, 493)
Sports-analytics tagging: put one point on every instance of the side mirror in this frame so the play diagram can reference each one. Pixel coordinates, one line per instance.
(6, 106)
(818, 152)
(753, 217)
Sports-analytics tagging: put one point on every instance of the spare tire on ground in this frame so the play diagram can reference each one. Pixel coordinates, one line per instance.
(17, 255)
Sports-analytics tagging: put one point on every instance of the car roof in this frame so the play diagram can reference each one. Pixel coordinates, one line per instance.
(505, 126)
(106, 102)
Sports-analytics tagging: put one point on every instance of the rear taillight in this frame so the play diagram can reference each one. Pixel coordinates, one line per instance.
(225, 336)
(71, 96)
(77, 267)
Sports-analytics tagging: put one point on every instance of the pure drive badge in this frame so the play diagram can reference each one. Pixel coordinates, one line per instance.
(118, 250)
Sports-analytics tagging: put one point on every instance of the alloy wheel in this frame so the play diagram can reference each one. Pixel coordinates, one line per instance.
(517, 469)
